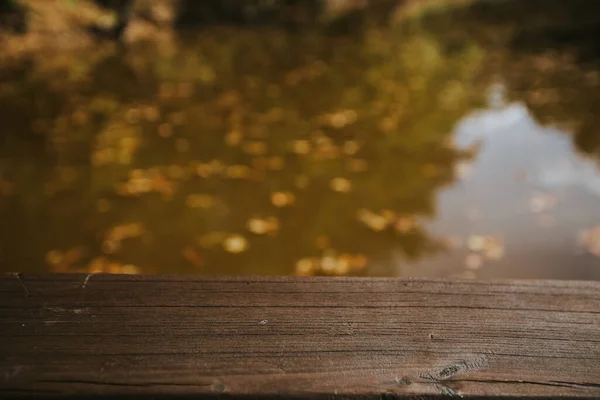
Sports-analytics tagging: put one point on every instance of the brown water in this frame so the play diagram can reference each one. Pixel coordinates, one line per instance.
(437, 148)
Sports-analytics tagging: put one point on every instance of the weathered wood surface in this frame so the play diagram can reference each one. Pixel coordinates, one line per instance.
(109, 335)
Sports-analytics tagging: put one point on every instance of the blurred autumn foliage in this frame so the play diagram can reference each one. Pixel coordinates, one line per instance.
(240, 149)
(234, 139)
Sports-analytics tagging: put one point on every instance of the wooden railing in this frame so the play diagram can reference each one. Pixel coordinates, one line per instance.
(113, 336)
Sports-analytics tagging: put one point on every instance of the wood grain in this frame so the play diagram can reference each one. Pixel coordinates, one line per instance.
(118, 336)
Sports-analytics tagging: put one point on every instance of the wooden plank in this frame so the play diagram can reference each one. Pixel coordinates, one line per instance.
(173, 336)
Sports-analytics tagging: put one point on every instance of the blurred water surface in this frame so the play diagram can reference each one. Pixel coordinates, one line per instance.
(461, 142)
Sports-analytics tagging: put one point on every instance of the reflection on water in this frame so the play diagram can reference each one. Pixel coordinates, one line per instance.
(262, 151)
(523, 206)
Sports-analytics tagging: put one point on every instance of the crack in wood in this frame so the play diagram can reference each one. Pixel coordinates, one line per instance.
(441, 377)
(576, 385)
(85, 281)
(20, 279)
(9, 375)
(125, 384)
(446, 390)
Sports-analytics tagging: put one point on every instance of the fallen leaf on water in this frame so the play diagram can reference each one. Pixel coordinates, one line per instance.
(133, 115)
(405, 224)
(328, 264)
(238, 171)
(114, 268)
(235, 244)
(340, 185)
(211, 239)
(130, 269)
(452, 242)
(306, 267)
(98, 265)
(217, 166)
(340, 119)
(233, 138)
(200, 201)
(273, 224)
(138, 186)
(325, 147)
(80, 117)
(358, 165)
(342, 267)
(134, 229)
(388, 124)
(356, 262)
(589, 239)
(282, 199)
(204, 170)
(301, 146)
(161, 185)
(494, 252)
(541, 202)
(388, 215)
(111, 246)
(339, 265)
(152, 113)
(191, 255)
(463, 170)
(258, 226)
(473, 261)
(490, 247)
(351, 147)
(54, 257)
(476, 243)
(255, 148)
(374, 221)
(165, 130)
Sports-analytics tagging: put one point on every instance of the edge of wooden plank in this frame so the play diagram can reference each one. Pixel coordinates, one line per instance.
(446, 379)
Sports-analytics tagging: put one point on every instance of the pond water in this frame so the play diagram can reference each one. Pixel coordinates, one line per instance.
(458, 144)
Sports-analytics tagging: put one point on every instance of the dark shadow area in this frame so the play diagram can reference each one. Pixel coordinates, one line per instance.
(530, 26)
(285, 13)
(13, 17)
(547, 51)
